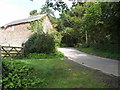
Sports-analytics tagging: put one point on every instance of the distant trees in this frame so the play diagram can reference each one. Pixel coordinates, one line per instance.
(47, 10)
(94, 23)
(57, 5)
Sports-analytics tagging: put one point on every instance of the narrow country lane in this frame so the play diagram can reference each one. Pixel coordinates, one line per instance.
(105, 65)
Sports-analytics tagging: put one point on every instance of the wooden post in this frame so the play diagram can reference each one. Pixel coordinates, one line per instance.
(23, 46)
(0, 53)
(0, 69)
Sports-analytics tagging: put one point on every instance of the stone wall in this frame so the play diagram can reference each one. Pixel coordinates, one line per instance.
(47, 26)
(15, 35)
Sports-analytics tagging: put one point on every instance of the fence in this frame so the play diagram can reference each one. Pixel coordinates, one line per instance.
(11, 52)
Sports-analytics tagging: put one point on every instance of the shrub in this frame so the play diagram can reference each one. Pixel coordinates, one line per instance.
(57, 37)
(68, 41)
(70, 37)
(84, 45)
(18, 75)
(111, 48)
(40, 43)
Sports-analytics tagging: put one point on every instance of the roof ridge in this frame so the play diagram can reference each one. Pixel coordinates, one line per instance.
(29, 19)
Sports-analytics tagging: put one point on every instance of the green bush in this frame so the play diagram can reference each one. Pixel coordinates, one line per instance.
(18, 75)
(70, 37)
(84, 45)
(40, 43)
(112, 48)
(68, 41)
(57, 37)
(105, 47)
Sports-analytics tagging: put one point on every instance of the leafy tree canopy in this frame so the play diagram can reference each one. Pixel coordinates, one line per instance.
(47, 10)
(57, 5)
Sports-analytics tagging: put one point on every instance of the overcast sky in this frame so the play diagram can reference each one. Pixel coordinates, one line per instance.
(17, 9)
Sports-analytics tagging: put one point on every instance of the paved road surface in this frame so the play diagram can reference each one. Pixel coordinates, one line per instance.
(105, 65)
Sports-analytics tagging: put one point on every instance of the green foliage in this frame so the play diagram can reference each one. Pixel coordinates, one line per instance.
(46, 10)
(92, 24)
(36, 26)
(59, 6)
(57, 38)
(42, 72)
(84, 45)
(111, 48)
(40, 43)
(53, 20)
(109, 52)
(18, 75)
(61, 73)
(33, 12)
(68, 35)
(56, 54)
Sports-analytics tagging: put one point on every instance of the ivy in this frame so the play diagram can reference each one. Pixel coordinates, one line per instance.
(36, 26)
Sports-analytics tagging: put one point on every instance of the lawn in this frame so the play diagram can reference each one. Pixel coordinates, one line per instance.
(59, 74)
(52, 71)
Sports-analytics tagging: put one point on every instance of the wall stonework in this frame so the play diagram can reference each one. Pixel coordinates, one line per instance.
(47, 26)
(15, 37)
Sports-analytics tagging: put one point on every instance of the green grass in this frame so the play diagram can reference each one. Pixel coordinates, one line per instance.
(101, 53)
(57, 73)
(54, 55)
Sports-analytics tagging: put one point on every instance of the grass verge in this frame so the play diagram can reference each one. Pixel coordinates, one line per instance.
(49, 72)
(100, 53)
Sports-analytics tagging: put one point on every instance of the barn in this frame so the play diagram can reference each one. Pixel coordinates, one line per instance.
(17, 32)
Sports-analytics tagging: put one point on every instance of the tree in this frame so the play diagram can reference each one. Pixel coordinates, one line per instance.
(46, 10)
(95, 21)
(58, 5)
(33, 12)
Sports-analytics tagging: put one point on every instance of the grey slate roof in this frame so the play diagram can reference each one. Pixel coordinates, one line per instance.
(29, 19)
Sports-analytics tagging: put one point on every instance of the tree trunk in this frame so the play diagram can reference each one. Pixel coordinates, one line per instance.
(86, 34)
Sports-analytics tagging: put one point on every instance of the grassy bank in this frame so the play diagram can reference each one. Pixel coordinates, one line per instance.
(101, 53)
(48, 71)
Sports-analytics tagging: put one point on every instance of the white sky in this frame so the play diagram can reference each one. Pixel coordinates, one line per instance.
(16, 9)
(11, 10)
